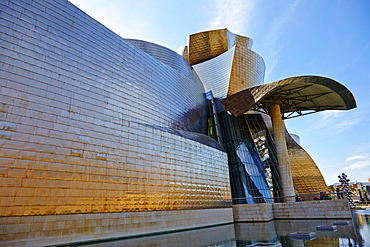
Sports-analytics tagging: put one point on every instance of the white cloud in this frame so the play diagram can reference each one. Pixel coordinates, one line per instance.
(358, 165)
(336, 121)
(278, 26)
(234, 15)
(121, 17)
(349, 123)
(328, 117)
(357, 157)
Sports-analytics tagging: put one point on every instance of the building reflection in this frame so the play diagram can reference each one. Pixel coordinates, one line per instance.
(245, 234)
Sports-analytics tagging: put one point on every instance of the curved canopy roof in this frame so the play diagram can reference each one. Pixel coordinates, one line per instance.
(296, 96)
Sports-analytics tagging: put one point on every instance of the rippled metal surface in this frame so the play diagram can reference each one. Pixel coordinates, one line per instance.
(72, 96)
(225, 62)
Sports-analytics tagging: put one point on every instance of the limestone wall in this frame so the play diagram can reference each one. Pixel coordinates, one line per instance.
(253, 212)
(320, 209)
(326, 209)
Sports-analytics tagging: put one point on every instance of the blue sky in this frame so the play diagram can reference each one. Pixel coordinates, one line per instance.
(328, 38)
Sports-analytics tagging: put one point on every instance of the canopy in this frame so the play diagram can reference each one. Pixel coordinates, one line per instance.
(296, 96)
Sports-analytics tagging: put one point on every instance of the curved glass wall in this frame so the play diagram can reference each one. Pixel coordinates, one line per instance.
(253, 165)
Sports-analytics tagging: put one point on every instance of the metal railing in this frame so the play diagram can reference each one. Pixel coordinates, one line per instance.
(297, 198)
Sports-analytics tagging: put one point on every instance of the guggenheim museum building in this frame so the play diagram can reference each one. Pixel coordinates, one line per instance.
(104, 137)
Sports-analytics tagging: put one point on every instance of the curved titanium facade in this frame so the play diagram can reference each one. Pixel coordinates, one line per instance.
(307, 177)
(90, 123)
(215, 73)
(164, 55)
(234, 74)
(224, 60)
(93, 123)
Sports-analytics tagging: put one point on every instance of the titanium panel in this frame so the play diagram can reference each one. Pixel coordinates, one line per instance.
(86, 119)
(163, 54)
(206, 45)
(215, 73)
(234, 39)
(307, 177)
(210, 57)
(248, 70)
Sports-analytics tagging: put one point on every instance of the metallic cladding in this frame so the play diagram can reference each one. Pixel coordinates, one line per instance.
(206, 45)
(248, 70)
(163, 54)
(307, 177)
(86, 118)
(211, 53)
(215, 73)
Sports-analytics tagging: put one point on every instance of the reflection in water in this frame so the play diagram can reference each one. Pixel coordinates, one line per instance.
(363, 218)
(356, 234)
(213, 236)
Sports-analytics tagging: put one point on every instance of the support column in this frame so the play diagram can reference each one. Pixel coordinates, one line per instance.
(282, 153)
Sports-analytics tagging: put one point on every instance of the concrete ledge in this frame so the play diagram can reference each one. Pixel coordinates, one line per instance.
(331, 209)
(253, 212)
(62, 229)
(326, 209)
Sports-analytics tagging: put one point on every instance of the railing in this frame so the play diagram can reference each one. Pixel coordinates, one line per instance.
(297, 198)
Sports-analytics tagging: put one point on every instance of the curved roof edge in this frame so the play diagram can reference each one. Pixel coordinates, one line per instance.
(162, 53)
(339, 88)
(294, 95)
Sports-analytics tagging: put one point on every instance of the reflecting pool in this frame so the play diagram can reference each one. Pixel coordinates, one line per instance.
(351, 233)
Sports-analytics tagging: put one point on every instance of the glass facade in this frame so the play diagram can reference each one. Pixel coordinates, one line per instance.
(251, 152)
(252, 159)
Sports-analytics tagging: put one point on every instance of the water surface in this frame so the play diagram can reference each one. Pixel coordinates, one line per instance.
(356, 234)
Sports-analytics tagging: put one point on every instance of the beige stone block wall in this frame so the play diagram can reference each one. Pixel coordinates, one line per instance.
(326, 209)
(59, 229)
(253, 212)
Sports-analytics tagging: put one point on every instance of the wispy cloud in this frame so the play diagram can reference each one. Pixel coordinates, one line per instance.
(233, 14)
(328, 117)
(362, 161)
(351, 62)
(358, 165)
(134, 23)
(349, 123)
(337, 121)
(357, 157)
(275, 33)
(277, 29)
